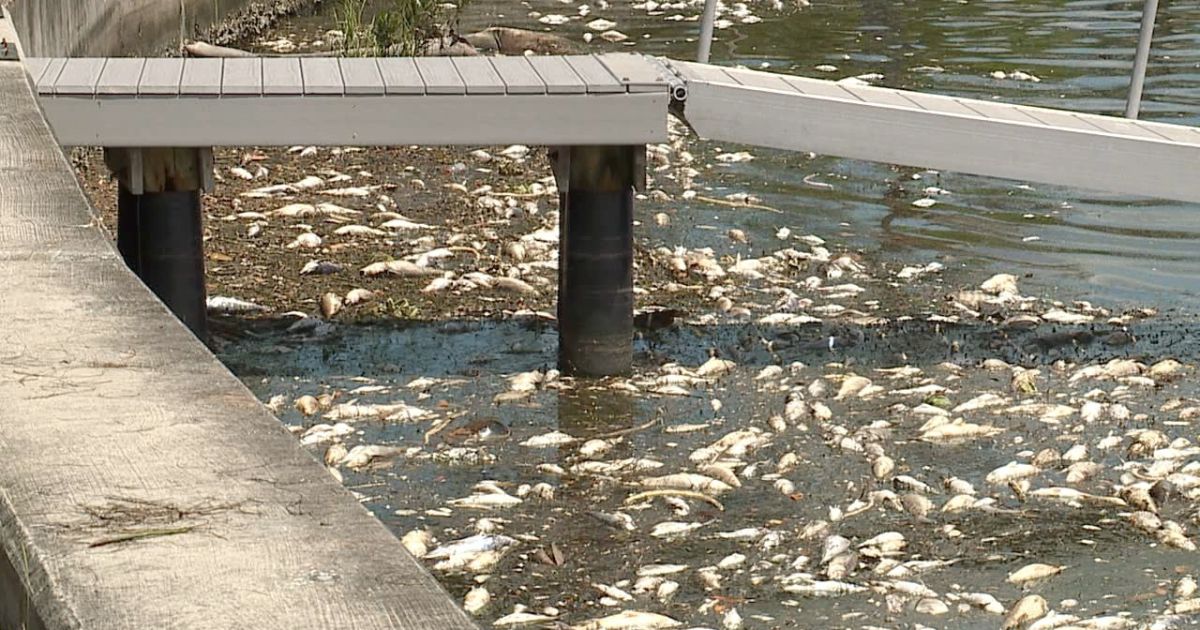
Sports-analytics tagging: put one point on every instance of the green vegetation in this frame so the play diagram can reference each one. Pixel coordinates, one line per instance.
(399, 30)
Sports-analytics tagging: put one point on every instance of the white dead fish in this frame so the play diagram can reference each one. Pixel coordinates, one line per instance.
(357, 296)
(852, 385)
(1011, 471)
(667, 529)
(1033, 573)
(404, 224)
(687, 481)
(398, 268)
(1030, 608)
(553, 438)
(1000, 283)
(476, 599)
(514, 285)
(232, 306)
(471, 545)
(824, 588)
(521, 618)
(629, 620)
(358, 230)
(715, 367)
(307, 240)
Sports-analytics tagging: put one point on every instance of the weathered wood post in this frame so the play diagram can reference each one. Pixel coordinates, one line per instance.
(595, 259)
(160, 233)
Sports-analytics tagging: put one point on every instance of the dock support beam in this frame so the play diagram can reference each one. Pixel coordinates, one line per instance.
(160, 231)
(595, 260)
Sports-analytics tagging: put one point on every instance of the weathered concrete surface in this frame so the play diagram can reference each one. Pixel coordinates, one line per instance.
(109, 28)
(114, 420)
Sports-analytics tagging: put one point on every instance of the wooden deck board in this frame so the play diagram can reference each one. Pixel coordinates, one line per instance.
(518, 75)
(202, 77)
(400, 76)
(362, 76)
(242, 76)
(558, 75)
(322, 75)
(120, 77)
(281, 75)
(161, 77)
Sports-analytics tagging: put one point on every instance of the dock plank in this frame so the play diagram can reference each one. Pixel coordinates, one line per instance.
(634, 72)
(478, 75)
(79, 76)
(45, 84)
(202, 77)
(242, 76)
(161, 77)
(558, 75)
(518, 75)
(440, 76)
(400, 76)
(1000, 111)
(322, 75)
(282, 76)
(120, 76)
(595, 76)
(361, 76)
(36, 66)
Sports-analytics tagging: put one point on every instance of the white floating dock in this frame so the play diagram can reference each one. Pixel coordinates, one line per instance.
(954, 134)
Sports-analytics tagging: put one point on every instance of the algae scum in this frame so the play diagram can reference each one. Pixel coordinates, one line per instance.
(845, 418)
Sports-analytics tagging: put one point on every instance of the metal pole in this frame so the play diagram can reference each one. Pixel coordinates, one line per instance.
(706, 30)
(595, 299)
(1134, 102)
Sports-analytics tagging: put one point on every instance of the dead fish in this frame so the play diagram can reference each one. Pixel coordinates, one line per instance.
(320, 268)
(232, 306)
(1033, 573)
(399, 268)
(307, 240)
(356, 296)
(331, 304)
(851, 386)
(476, 599)
(514, 285)
(824, 588)
(553, 438)
(1011, 471)
(629, 620)
(365, 454)
(687, 481)
(471, 545)
(358, 230)
(1030, 608)
(307, 405)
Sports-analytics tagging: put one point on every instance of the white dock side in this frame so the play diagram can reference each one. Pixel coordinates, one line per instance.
(942, 132)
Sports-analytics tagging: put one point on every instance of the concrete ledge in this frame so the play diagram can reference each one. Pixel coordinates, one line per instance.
(115, 421)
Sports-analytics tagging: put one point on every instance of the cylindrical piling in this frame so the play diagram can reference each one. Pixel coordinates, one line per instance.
(595, 301)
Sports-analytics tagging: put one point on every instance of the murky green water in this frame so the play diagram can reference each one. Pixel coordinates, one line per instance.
(1089, 245)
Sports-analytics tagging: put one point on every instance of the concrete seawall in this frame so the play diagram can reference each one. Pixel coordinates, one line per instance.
(141, 484)
(105, 28)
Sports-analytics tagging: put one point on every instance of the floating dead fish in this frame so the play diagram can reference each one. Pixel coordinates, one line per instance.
(476, 599)
(358, 230)
(553, 438)
(232, 306)
(331, 304)
(320, 268)
(1025, 611)
(629, 620)
(358, 296)
(687, 481)
(398, 268)
(1033, 573)
(471, 545)
(365, 454)
(824, 588)
(668, 529)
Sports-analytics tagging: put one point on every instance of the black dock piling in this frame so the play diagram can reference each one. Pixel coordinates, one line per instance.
(160, 231)
(595, 299)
